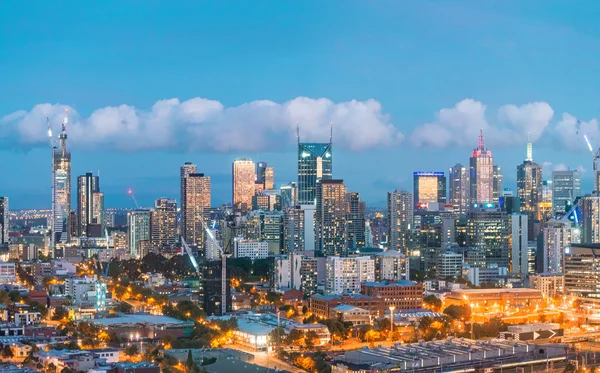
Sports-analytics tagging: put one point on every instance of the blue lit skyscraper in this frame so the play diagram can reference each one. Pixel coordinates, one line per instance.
(314, 164)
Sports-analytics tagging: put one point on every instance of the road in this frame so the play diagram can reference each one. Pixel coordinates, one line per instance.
(266, 360)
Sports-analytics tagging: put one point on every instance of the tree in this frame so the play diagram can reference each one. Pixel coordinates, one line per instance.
(290, 311)
(66, 370)
(312, 319)
(295, 338)
(131, 350)
(190, 365)
(51, 368)
(124, 307)
(432, 302)
(458, 312)
(277, 336)
(6, 352)
(14, 295)
(311, 339)
(60, 313)
(4, 297)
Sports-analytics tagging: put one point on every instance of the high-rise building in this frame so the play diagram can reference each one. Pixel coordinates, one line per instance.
(556, 237)
(4, 220)
(582, 271)
(529, 186)
(400, 220)
(344, 275)
(547, 191)
(429, 187)
(261, 168)
(163, 223)
(293, 230)
(391, 265)
(61, 199)
(590, 218)
(195, 211)
(459, 189)
(355, 220)
(566, 187)
(481, 174)
(269, 183)
(497, 184)
(243, 184)
(330, 218)
(518, 241)
(487, 233)
(87, 186)
(271, 231)
(185, 170)
(314, 164)
(138, 222)
(288, 196)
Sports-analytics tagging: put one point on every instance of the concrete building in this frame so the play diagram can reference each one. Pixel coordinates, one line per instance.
(138, 222)
(288, 272)
(391, 265)
(195, 205)
(355, 221)
(250, 249)
(293, 229)
(243, 184)
(402, 295)
(590, 218)
(556, 237)
(529, 189)
(61, 199)
(8, 273)
(501, 297)
(582, 263)
(519, 263)
(163, 224)
(345, 275)
(322, 305)
(449, 264)
(352, 314)
(549, 284)
(4, 220)
(400, 212)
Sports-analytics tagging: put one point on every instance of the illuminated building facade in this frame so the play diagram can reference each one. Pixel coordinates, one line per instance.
(138, 223)
(355, 220)
(163, 223)
(87, 186)
(344, 275)
(269, 182)
(497, 184)
(481, 174)
(429, 187)
(62, 190)
(314, 164)
(518, 242)
(288, 196)
(243, 184)
(556, 237)
(197, 208)
(399, 219)
(459, 189)
(330, 218)
(582, 274)
(529, 187)
(566, 187)
(590, 218)
(4, 220)
(293, 230)
(487, 232)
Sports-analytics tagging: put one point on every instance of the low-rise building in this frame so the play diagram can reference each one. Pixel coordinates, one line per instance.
(251, 249)
(549, 284)
(354, 315)
(402, 295)
(498, 299)
(8, 273)
(141, 326)
(321, 305)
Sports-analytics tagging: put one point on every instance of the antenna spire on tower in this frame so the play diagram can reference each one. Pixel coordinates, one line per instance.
(298, 132)
(330, 132)
(480, 140)
(529, 148)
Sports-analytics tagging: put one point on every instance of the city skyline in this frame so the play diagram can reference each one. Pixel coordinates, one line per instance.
(384, 98)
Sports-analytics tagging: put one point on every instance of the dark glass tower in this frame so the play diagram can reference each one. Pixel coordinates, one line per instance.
(314, 164)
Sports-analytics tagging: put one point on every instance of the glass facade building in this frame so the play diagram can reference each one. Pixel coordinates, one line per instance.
(429, 187)
(314, 164)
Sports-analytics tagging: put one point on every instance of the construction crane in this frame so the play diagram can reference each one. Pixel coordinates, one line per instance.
(130, 192)
(595, 166)
(214, 240)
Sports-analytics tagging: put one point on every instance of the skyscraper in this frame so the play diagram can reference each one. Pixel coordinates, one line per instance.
(61, 199)
(289, 196)
(293, 230)
(314, 164)
(497, 184)
(590, 218)
(400, 220)
(185, 170)
(138, 223)
(269, 182)
(197, 193)
(487, 233)
(87, 185)
(355, 220)
(519, 248)
(330, 218)
(481, 174)
(556, 236)
(4, 220)
(459, 189)
(529, 186)
(429, 187)
(163, 223)
(566, 187)
(243, 184)
(261, 168)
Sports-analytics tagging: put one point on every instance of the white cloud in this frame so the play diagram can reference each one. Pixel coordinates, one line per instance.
(200, 124)
(561, 167)
(570, 135)
(460, 125)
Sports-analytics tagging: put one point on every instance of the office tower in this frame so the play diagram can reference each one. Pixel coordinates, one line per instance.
(529, 185)
(314, 164)
(518, 241)
(330, 218)
(271, 231)
(497, 184)
(556, 237)
(287, 272)
(4, 220)
(399, 220)
(590, 218)
(98, 219)
(138, 222)
(212, 288)
(582, 272)
(508, 202)
(566, 187)
(197, 194)
(547, 191)
(391, 265)
(87, 185)
(243, 184)
(487, 233)
(288, 196)
(355, 220)
(293, 230)
(269, 183)
(163, 223)
(185, 170)
(459, 189)
(379, 229)
(344, 275)
(261, 168)
(429, 187)
(481, 174)
(61, 199)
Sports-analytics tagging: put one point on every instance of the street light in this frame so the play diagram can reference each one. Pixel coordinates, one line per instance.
(392, 308)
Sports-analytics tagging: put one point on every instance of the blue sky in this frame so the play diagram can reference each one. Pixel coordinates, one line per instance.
(435, 72)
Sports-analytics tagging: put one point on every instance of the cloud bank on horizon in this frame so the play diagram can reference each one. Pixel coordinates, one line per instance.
(201, 124)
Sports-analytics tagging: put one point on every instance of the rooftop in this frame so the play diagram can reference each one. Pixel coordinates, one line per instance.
(386, 283)
(254, 328)
(138, 319)
(346, 308)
